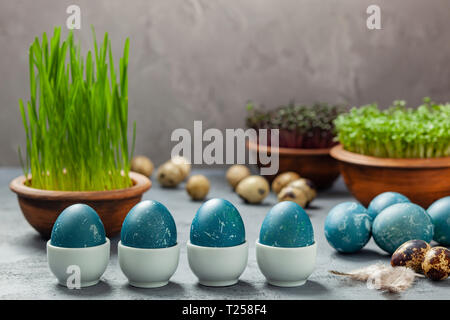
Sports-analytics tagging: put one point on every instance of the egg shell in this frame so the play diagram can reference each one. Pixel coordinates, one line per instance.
(169, 175)
(197, 187)
(293, 194)
(348, 227)
(436, 264)
(253, 189)
(286, 225)
(78, 226)
(149, 225)
(410, 254)
(236, 173)
(217, 223)
(283, 179)
(399, 223)
(142, 165)
(384, 200)
(439, 212)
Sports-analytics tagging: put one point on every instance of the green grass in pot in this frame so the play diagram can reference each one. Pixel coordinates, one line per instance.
(301, 126)
(76, 119)
(397, 132)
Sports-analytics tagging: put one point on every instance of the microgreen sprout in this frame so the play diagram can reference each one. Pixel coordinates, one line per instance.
(300, 126)
(397, 132)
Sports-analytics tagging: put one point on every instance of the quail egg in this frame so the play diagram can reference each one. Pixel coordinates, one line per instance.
(236, 173)
(169, 175)
(142, 165)
(283, 180)
(253, 189)
(198, 187)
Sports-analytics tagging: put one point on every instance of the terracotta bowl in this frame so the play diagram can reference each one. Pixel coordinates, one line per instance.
(314, 164)
(42, 207)
(422, 180)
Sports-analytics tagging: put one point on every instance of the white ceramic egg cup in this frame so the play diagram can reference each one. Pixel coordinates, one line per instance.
(217, 266)
(91, 261)
(286, 267)
(148, 268)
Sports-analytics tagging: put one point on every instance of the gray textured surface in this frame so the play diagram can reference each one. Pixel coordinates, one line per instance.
(24, 273)
(203, 59)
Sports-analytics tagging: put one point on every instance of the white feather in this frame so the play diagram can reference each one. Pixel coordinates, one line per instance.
(382, 277)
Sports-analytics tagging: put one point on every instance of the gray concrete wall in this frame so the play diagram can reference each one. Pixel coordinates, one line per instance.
(203, 59)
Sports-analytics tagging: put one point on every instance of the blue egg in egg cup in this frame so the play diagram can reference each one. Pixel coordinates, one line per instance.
(78, 242)
(286, 250)
(148, 249)
(217, 250)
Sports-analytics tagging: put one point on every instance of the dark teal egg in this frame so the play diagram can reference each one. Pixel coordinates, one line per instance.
(78, 226)
(399, 223)
(286, 225)
(348, 227)
(439, 212)
(149, 225)
(217, 223)
(384, 200)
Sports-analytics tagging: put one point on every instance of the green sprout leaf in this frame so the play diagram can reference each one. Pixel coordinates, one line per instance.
(76, 120)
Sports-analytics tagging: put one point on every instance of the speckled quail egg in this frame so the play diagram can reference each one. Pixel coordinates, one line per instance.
(236, 173)
(169, 175)
(293, 194)
(436, 265)
(283, 179)
(307, 186)
(197, 187)
(410, 254)
(142, 165)
(184, 165)
(253, 189)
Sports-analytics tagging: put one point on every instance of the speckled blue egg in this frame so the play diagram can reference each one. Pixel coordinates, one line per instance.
(348, 227)
(149, 225)
(78, 226)
(286, 225)
(399, 223)
(384, 200)
(439, 212)
(217, 223)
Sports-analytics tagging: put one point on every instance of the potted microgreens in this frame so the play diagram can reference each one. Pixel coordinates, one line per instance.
(306, 134)
(75, 123)
(400, 149)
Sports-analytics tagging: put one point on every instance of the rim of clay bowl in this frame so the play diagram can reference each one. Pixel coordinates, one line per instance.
(140, 184)
(288, 151)
(339, 153)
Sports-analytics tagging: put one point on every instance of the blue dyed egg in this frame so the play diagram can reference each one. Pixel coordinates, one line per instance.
(399, 223)
(149, 225)
(217, 223)
(78, 226)
(384, 200)
(348, 227)
(286, 225)
(439, 212)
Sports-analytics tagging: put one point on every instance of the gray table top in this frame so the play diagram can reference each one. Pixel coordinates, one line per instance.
(24, 273)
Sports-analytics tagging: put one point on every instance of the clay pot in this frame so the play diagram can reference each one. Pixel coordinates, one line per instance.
(42, 207)
(314, 164)
(422, 180)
